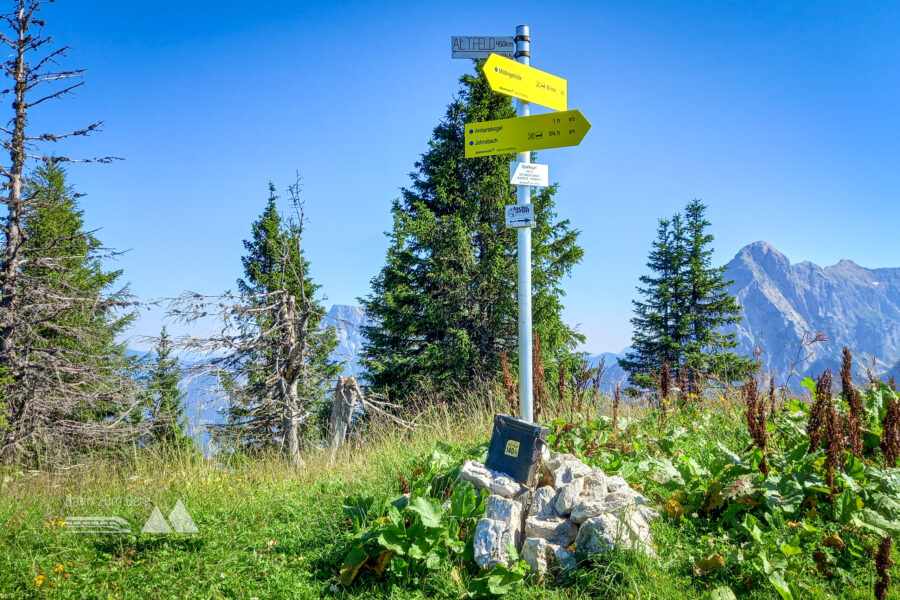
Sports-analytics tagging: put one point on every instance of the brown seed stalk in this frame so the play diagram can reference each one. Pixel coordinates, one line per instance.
(509, 386)
(883, 564)
(617, 398)
(817, 411)
(539, 378)
(890, 434)
(834, 443)
(772, 396)
(853, 399)
(755, 412)
(561, 384)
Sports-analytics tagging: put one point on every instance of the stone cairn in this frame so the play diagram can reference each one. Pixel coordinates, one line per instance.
(581, 511)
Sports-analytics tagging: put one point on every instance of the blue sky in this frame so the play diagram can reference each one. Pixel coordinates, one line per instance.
(784, 117)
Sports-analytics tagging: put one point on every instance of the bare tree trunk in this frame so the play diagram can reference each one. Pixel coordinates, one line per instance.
(347, 397)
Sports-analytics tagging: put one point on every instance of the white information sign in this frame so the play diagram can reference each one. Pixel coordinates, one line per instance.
(482, 46)
(519, 215)
(529, 174)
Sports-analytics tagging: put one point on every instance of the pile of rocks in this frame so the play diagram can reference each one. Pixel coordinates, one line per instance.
(580, 511)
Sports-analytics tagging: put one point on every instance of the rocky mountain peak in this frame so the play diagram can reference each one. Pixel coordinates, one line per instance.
(854, 306)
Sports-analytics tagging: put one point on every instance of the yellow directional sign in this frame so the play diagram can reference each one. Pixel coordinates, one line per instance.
(505, 136)
(521, 81)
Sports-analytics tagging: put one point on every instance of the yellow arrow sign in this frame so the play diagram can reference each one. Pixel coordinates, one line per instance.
(505, 136)
(521, 81)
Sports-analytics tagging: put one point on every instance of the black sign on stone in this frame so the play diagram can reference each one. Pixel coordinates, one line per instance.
(516, 448)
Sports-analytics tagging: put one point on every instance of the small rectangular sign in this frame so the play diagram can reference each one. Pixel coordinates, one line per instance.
(482, 46)
(519, 215)
(529, 174)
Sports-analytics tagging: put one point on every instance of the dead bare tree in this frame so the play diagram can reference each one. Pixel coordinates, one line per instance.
(268, 353)
(53, 395)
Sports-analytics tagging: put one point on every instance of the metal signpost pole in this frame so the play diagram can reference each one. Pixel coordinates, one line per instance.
(526, 391)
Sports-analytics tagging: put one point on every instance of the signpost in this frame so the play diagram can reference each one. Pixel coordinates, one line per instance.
(526, 83)
(519, 215)
(482, 46)
(531, 174)
(521, 134)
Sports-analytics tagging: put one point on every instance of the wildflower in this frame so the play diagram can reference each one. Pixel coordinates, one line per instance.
(39, 580)
(58, 568)
(65, 575)
(51, 583)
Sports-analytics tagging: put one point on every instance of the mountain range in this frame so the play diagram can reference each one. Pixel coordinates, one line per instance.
(852, 305)
(782, 304)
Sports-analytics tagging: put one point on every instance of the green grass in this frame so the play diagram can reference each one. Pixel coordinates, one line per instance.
(267, 531)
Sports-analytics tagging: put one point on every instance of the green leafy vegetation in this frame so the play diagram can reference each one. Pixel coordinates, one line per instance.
(728, 530)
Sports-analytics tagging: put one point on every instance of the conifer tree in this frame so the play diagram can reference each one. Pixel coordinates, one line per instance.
(684, 302)
(276, 368)
(165, 397)
(710, 306)
(659, 318)
(63, 381)
(444, 304)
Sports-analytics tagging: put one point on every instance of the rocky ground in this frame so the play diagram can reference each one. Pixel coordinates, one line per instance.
(574, 509)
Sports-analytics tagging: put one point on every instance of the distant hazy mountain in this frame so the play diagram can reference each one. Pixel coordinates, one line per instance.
(853, 305)
(348, 320)
(612, 372)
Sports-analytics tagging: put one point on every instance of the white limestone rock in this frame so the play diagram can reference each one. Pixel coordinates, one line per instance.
(541, 555)
(602, 533)
(544, 503)
(557, 530)
(586, 509)
(538, 554)
(616, 483)
(568, 497)
(568, 473)
(565, 558)
(505, 486)
(490, 548)
(594, 483)
(617, 500)
(476, 474)
(508, 512)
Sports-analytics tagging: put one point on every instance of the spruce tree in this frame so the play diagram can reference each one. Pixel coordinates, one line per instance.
(684, 302)
(65, 259)
(444, 304)
(658, 318)
(284, 352)
(64, 383)
(165, 397)
(710, 305)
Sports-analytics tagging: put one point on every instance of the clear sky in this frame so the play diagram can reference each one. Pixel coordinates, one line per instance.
(784, 117)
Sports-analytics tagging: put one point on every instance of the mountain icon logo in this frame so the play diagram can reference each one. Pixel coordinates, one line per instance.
(179, 518)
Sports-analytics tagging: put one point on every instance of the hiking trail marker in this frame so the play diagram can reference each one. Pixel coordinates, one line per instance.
(521, 135)
(526, 83)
